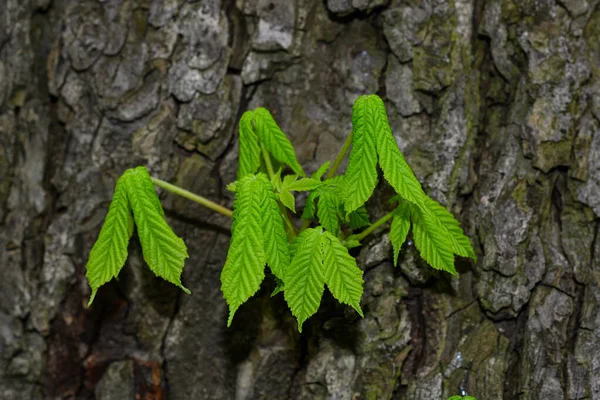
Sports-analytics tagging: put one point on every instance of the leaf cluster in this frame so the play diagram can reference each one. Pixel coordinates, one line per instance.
(263, 233)
(135, 204)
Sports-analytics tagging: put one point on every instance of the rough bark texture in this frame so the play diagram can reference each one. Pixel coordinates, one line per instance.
(495, 103)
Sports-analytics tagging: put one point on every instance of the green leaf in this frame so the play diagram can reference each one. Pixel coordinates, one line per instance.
(321, 171)
(432, 242)
(304, 184)
(109, 253)
(309, 206)
(279, 288)
(276, 245)
(399, 229)
(327, 212)
(395, 169)
(244, 268)
(359, 218)
(288, 200)
(274, 140)
(304, 279)
(352, 243)
(460, 243)
(232, 186)
(249, 151)
(342, 276)
(288, 180)
(276, 181)
(361, 176)
(297, 241)
(163, 250)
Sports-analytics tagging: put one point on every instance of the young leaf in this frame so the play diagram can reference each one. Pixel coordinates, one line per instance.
(399, 229)
(288, 200)
(288, 180)
(110, 250)
(321, 171)
(304, 184)
(460, 243)
(276, 245)
(232, 186)
(309, 206)
(359, 218)
(249, 151)
(433, 244)
(342, 276)
(395, 169)
(244, 268)
(361, 176)
(274, 140)
(327, 212)
(163, 250)
(279, 287)
(298, 240)
(352, 243)
(276, 181)
(304, 279)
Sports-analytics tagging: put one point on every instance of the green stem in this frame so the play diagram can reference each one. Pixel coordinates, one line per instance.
(340, 156)
(284, 212)
(287, 220)
(267, 159)
(194, 197)
(373, 226)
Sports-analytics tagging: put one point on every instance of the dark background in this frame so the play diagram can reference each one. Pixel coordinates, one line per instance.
(495, 103)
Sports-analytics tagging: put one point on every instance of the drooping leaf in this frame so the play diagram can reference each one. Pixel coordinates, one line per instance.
(399, 229)
(304, 279)
(395, 169)
(321, 171)
(359, 218)
(244, 268)
(432, 242)
(274, 140)
(249, 150)
(361, 176)
(109, 253)
(163, 250)
(276, 245)
(327, 212)
(342, 276)
(461, 244)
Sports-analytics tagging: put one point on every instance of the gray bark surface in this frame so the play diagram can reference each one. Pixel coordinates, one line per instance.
(495, 104)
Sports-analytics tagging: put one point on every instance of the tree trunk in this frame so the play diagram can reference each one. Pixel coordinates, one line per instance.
(495, 104)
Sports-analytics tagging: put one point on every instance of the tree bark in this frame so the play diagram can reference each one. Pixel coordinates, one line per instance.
(495, 104)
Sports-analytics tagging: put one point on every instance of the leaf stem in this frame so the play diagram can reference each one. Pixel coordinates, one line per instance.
(340, 156)
(268, 163)
(191, 196)
(373, 226)
(284, 212)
